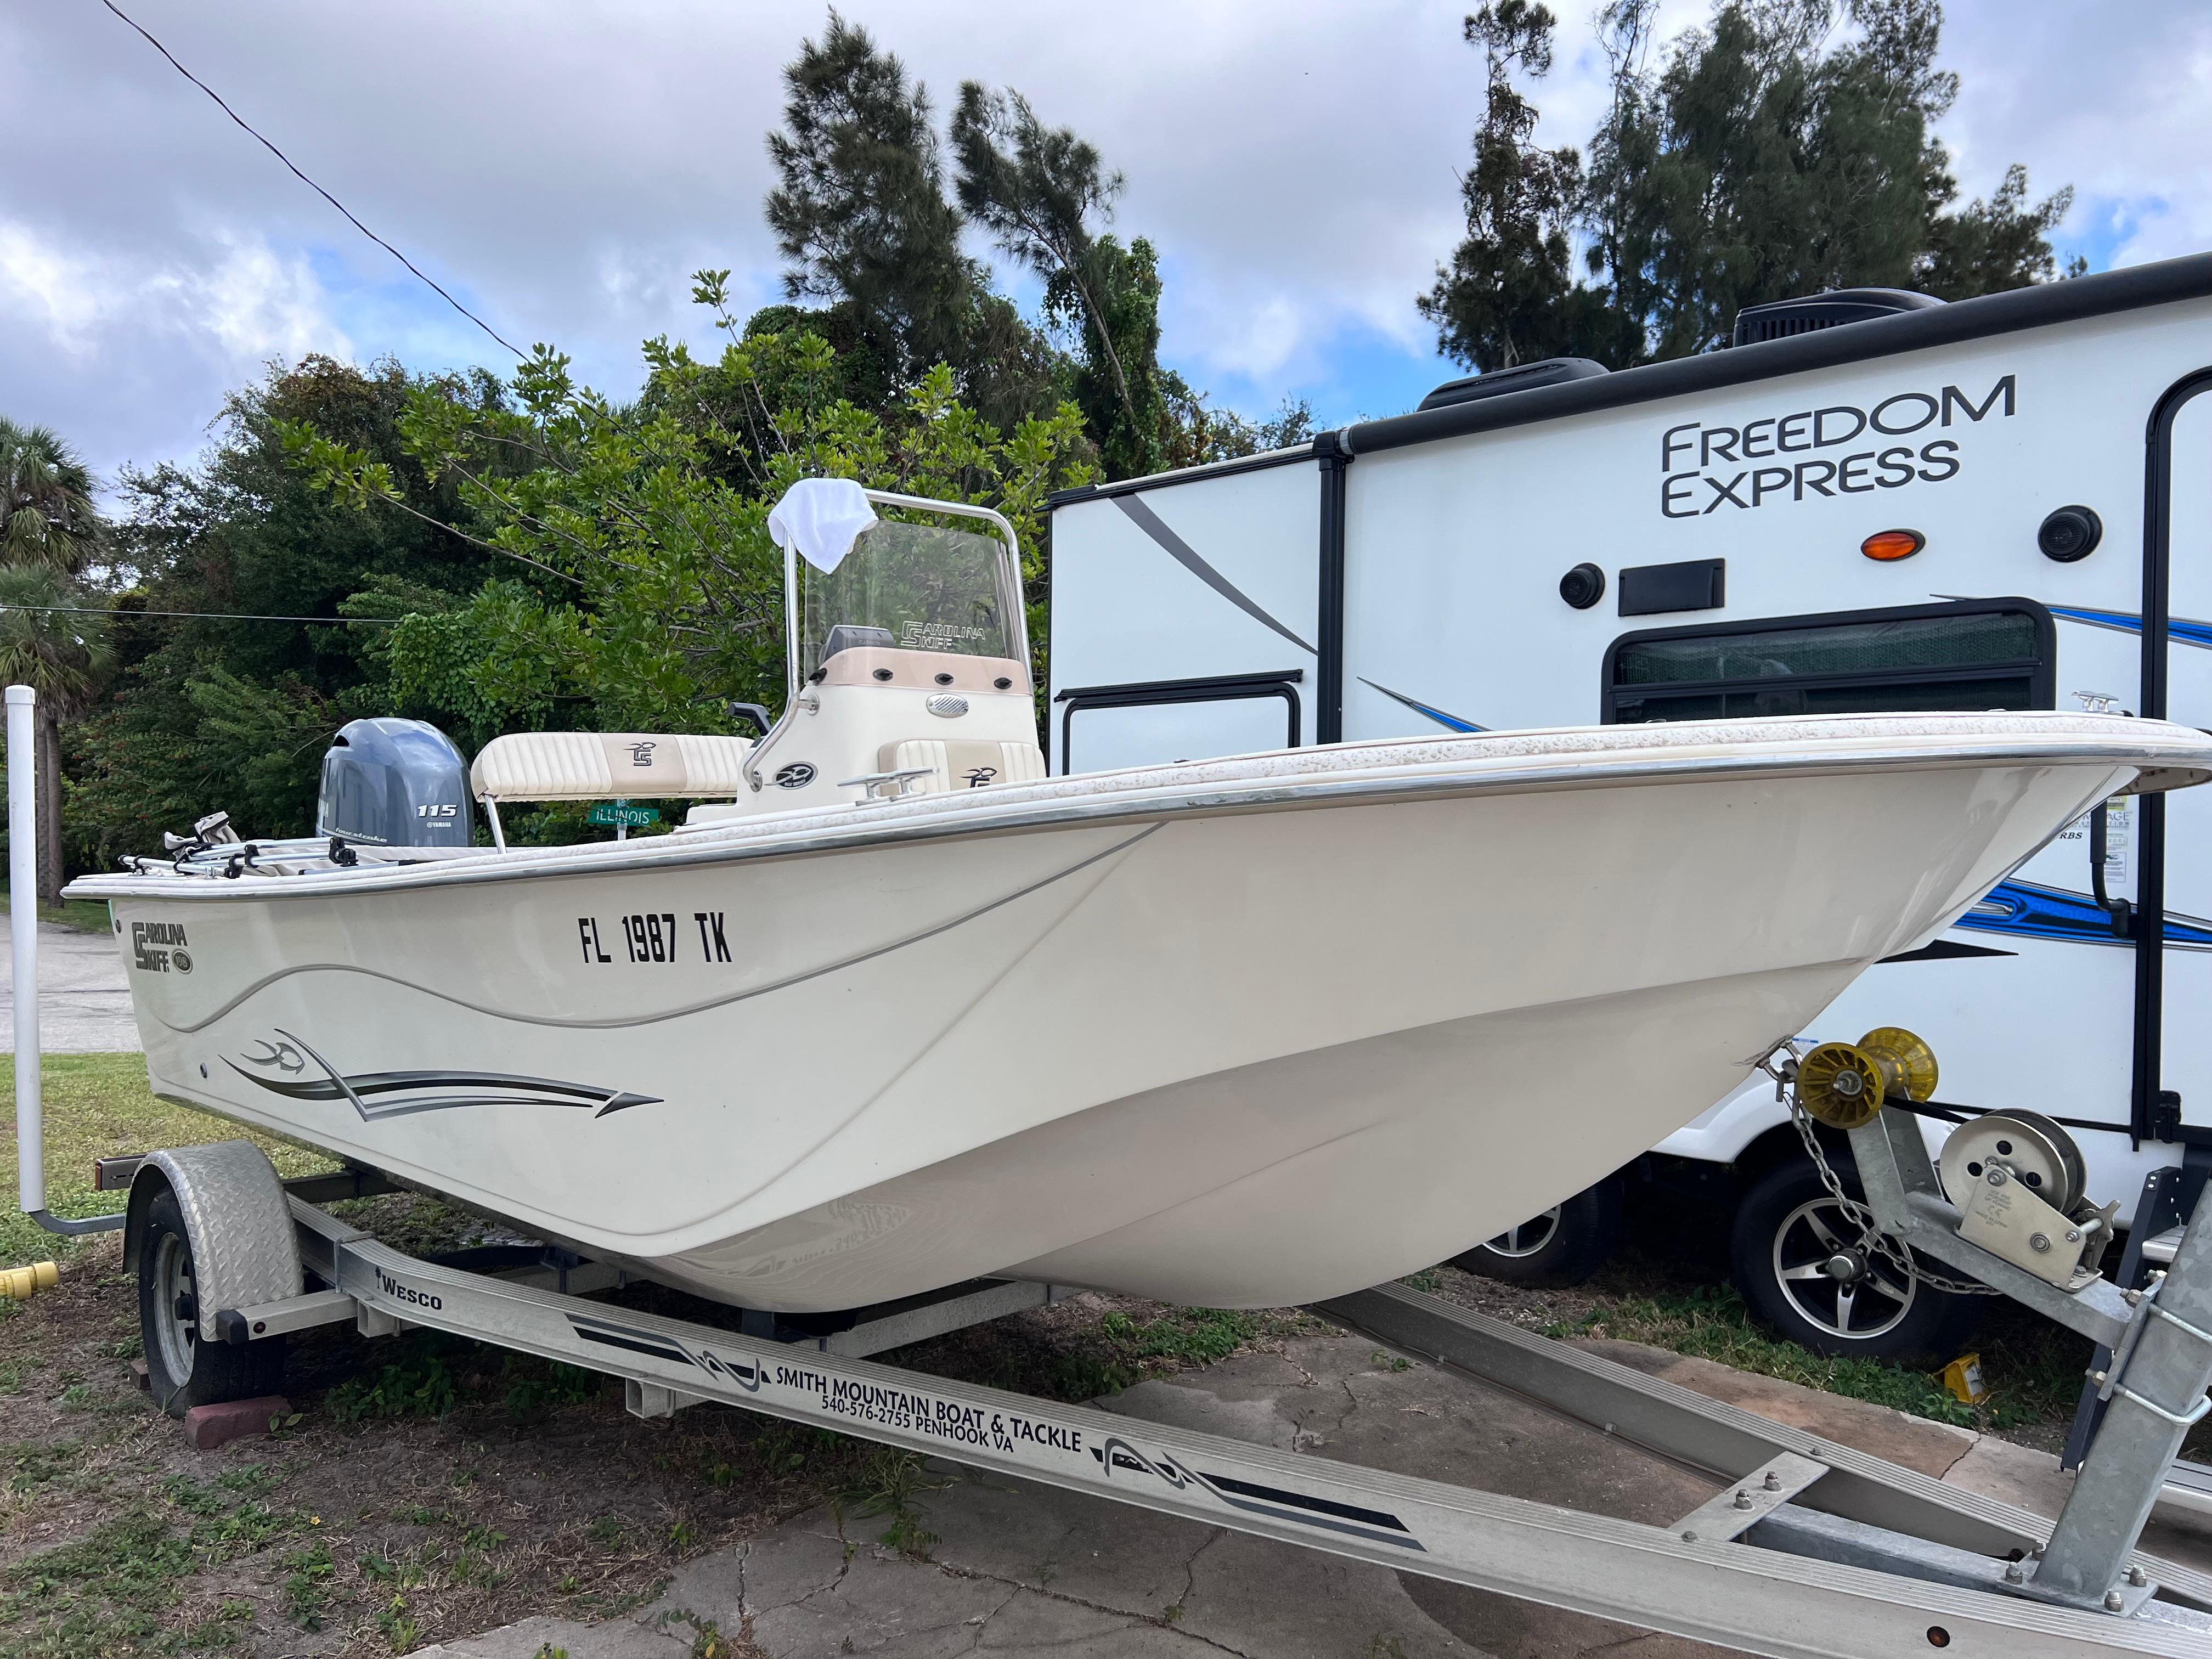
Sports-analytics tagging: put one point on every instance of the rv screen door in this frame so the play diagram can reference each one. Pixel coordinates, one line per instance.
(2185, 1065)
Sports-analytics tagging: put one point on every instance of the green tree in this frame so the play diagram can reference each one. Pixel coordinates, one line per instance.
(665, 601)
(212, 710)
(49, 643)
(46, 511)
(861, 213)
(1036, 190)
(1769, 154)
(1508, 295)
(51, 638)
(1990, 245)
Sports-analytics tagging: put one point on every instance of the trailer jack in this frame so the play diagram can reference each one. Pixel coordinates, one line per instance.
(2023, 1230)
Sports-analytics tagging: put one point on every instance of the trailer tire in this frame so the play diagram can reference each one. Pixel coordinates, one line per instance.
(1786, 1227)
(1563, 1246)
(209, 1228)
(181, 1370)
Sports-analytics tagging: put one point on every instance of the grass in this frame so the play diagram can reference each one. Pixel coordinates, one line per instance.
(109, 1590)
(431, 1373)
(85, 915)
(100, 1106)
(2032, 1368)
(1712, 1323)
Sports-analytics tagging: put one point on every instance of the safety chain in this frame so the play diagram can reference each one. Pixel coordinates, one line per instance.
(1859, 1215)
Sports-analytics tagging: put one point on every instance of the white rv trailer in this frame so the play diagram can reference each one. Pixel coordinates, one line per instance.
(2002, 504)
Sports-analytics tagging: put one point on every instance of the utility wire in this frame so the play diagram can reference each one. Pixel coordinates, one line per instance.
(310, 184)
(213, 615)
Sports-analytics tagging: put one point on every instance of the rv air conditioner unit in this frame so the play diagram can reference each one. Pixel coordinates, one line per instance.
(1782, 318)
(1524, 377)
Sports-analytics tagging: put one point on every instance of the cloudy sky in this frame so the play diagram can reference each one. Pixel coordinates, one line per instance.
(563, 165)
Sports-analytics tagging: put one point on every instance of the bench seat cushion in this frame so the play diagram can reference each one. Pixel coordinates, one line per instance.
(601, 766)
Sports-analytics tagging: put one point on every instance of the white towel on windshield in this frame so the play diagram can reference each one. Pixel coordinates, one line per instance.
(822, 518)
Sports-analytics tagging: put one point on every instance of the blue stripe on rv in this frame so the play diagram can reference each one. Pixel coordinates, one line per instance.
(2029, 910)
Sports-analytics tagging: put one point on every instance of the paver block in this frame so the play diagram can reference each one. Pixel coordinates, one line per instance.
(210, 1426)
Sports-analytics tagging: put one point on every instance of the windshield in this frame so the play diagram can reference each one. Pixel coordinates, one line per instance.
(914, 586)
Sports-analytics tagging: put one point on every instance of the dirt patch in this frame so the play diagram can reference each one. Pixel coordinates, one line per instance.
(434, 1488)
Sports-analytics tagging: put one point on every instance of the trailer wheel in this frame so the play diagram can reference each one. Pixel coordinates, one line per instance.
(1808, 1270)
(184, 1370)
(209, 1228)
(1563, 1246)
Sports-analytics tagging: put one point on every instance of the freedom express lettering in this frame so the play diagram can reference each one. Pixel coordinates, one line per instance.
(1709, 467)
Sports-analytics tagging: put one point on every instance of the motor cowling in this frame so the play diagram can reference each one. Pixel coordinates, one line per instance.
(395, 783)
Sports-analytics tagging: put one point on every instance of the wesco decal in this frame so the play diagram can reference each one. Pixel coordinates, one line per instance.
(399, 1292)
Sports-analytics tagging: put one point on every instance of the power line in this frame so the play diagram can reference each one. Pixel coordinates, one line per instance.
(311, 185)
(211, 616)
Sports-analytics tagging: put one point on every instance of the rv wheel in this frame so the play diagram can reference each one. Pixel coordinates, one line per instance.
(183, 1370)
(1810, 1272)
(1563, 1246)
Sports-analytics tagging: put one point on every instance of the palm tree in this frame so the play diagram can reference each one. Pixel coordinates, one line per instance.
(49, 532)
(47, 513)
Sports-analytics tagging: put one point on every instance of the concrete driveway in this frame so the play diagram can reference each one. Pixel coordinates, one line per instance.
(1018, 1569)
(84, 1005)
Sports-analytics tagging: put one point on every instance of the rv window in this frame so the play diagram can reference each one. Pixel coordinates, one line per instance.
(1155, 722)
(1976, 654)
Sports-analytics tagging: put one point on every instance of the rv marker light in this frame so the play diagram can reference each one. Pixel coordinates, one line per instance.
(1887, 545)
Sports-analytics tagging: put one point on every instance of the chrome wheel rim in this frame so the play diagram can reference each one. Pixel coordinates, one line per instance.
(172, 1278)
(1530, 1237)
(1833, 1278)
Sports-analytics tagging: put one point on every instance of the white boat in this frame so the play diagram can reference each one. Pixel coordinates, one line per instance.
(1239, 1033)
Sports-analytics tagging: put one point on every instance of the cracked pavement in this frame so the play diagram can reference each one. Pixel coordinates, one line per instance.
(1019, 1568)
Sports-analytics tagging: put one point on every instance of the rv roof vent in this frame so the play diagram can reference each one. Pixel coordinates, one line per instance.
(1784, 317)
(1523, 377)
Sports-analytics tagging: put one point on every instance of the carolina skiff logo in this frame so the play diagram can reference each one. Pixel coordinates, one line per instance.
(1708, 467)
(797, 775)
(375, 1095)
(156, 946)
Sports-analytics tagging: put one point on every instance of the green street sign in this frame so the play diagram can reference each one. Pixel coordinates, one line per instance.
(621, 812)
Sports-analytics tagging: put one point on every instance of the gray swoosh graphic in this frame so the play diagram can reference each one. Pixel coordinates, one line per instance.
(264, 983)
(1186, 556)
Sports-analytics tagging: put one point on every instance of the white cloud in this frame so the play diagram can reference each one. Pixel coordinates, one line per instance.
(43, 288)
(259, 306)
(563, 169)
(106, 344)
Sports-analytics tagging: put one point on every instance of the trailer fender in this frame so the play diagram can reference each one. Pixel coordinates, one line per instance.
(236, 1216)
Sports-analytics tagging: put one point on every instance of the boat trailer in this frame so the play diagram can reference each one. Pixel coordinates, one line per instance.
(1808, 1548)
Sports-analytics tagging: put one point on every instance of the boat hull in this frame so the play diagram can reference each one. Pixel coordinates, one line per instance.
(1234, 1043)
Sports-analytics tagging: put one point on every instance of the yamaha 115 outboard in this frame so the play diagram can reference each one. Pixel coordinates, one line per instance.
(395, 783)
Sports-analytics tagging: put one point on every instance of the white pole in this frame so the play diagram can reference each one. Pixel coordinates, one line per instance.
(23, 935)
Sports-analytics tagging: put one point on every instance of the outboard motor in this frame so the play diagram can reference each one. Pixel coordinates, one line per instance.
(395, 783)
